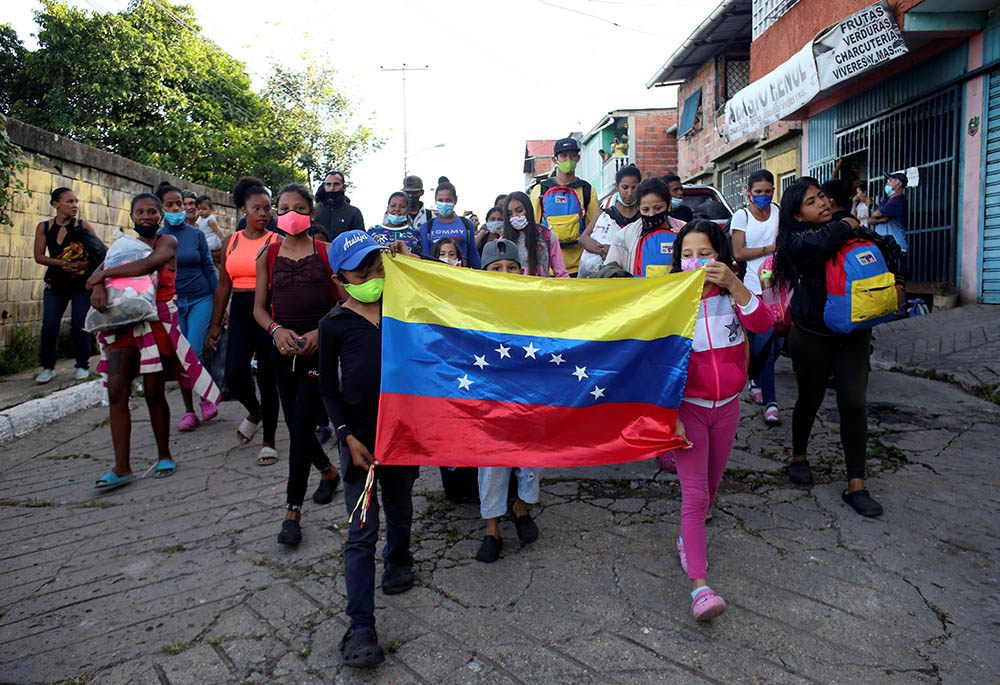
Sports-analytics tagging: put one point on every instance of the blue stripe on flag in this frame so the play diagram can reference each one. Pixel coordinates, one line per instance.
(438, 361)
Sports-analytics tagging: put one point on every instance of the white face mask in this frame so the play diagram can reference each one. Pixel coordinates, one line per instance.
(453, 262)
(519, 222)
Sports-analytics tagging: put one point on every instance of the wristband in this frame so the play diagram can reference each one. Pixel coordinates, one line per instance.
(273, 327)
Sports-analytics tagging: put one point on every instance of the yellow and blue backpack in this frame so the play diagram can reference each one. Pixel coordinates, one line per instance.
(562, 212)
(860, 288)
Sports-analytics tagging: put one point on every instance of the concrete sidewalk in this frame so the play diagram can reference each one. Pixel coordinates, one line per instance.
(181, 580)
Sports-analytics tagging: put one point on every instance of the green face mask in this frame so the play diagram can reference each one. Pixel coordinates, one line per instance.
(567, 166)
(369, 291)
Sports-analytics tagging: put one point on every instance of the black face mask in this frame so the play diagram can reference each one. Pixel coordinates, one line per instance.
(413, 202)
(147, 231)
(654, 220)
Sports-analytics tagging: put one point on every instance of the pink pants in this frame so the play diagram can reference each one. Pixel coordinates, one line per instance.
(711, 431)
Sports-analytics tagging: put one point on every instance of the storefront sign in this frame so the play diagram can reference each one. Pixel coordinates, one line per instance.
(862, 41)
(782, 91)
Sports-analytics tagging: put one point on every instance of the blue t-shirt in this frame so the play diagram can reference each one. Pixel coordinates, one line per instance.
(894, 209)
(383, 235)
(458, 230)
(196, 277)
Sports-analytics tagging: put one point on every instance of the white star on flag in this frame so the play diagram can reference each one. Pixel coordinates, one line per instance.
(530, 350)
(480, 361)
(464, 382)
(598, 392)
(557, 360)
(504, 351)
(580, 373)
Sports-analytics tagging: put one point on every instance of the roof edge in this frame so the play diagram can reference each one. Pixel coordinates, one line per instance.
(703, 28)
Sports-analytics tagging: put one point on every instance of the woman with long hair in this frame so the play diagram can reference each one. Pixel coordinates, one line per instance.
(537, 246)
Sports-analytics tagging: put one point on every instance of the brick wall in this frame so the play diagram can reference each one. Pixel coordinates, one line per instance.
(655, 150)
(800, 23)
(105, 184)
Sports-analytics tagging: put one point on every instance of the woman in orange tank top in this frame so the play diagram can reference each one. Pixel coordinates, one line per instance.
(237, 280)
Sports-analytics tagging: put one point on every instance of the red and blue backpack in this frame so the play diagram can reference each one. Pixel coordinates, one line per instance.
(860, 288)
(562, 212)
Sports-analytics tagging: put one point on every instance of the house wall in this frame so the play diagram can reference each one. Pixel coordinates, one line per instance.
(654, 150)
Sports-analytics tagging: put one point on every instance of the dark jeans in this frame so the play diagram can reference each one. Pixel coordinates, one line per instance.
(814, 357)
(246, 338)
(298, 389)
(396, 483)
(765, 348)
(54, 303)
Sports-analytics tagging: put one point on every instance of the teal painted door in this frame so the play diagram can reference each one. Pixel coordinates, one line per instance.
(990, 277)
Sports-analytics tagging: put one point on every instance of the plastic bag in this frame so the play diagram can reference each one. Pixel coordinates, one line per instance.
(131, 299)
(216, 362)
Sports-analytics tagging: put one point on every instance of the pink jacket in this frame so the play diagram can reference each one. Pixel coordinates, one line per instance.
(717, 371)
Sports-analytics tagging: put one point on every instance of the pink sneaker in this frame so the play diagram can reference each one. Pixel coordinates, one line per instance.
(209, 410)
(667, 462)
(756, 394)
(188, 423)
(707, 605)
(682, 554)
(771, 415)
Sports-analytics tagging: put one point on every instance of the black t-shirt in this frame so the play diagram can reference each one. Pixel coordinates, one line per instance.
(682, 213)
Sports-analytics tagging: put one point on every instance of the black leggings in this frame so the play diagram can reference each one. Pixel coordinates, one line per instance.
(814, 357)
(246, 338)
(301, 403)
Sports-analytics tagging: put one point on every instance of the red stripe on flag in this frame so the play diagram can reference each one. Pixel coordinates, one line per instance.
(439, 431)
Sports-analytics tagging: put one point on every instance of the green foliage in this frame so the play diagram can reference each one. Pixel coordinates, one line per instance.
(11, 61)
(20, 352)
(143, 83)
(11, 162)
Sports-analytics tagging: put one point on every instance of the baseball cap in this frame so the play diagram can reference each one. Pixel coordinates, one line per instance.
(899, 176)
(500, 249)
(566, 145)
(349, 249)
(412, 183)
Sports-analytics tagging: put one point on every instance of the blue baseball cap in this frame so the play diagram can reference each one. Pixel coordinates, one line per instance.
(349, 249)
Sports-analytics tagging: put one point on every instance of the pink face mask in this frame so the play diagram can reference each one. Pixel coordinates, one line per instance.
(293, 223)
(692, 263)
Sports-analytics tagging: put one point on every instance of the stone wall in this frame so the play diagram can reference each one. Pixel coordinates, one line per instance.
(105, 184)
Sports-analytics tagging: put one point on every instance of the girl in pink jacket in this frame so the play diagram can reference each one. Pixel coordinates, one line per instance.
(710, 412)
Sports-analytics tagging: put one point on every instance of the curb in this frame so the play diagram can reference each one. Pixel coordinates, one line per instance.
(22, 419)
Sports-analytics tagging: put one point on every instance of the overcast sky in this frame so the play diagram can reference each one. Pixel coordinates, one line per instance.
(500, 73)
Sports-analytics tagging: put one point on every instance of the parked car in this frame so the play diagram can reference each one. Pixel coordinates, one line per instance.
(708, 201)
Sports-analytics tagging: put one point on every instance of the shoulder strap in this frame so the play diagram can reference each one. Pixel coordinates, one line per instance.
(586, 196)
(324, 257)
(233, 239)
(272, 254)
(470, 240)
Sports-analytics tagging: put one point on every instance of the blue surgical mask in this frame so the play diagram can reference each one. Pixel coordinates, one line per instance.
(888, 189)
(676, 202)
(446, 208)
(395, 219)
(618, 198)
(762, 201)
(174, 218)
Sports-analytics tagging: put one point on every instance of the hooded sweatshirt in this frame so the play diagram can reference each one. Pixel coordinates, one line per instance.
(333, 217)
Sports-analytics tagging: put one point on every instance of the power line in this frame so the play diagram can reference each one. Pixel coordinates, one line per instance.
(600, 18)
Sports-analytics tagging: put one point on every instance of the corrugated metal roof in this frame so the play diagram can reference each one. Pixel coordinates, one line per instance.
(729, 23)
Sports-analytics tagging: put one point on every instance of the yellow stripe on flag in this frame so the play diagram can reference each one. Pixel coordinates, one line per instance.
(420, 291)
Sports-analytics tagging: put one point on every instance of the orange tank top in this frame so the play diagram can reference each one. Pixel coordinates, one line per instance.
(241, 259)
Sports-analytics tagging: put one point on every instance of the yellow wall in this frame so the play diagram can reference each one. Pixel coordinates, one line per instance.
(780, 164)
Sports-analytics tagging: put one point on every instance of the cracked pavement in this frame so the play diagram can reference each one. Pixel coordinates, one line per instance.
(181, 580)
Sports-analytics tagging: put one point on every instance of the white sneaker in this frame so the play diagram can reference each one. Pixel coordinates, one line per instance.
(45, 376)
(81, 374)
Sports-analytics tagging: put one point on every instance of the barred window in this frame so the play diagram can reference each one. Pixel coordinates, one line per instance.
(766, 12)
(737, 76)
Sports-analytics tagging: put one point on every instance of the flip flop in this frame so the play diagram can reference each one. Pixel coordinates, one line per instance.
(112, 480)
(164, 468)
(267, 457)
(246, 431)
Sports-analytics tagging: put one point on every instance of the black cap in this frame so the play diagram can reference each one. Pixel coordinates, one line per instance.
(899, 176)
(565, 145)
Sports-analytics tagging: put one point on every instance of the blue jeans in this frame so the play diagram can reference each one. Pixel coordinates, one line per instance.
(493, 483)
(396, 483)
(54, 303)
(195, 316)
(765, 348)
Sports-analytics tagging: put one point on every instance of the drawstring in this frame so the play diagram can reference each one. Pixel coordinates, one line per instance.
(366, 497)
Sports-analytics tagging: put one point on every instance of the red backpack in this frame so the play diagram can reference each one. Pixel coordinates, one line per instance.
(777, 297)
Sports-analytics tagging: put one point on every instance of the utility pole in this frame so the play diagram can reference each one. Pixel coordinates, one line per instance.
(405, 69)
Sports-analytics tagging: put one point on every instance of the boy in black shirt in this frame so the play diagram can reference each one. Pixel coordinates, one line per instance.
(350, 354)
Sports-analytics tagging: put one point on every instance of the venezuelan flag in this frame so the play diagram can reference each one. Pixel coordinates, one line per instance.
(491, 369)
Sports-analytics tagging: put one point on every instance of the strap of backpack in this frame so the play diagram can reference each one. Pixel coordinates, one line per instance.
(324, 257)
(272, 255)
(469, 238)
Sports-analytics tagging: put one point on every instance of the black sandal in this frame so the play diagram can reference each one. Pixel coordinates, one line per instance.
(361, 649)
(527, 531)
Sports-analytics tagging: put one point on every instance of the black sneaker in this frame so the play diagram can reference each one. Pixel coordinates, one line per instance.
(361, 650)
(397, 578)
(489, 551)
(799, 472)
(862, 502)
(324, 493)
(527, 531)
(291, 533)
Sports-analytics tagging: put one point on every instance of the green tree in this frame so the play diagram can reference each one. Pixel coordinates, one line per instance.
(322, 114)
(11, 62)
(143, 83)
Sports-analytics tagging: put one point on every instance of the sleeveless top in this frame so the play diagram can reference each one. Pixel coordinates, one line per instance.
(241, 259)
(300, 292)
(70, 248)
(166, 278)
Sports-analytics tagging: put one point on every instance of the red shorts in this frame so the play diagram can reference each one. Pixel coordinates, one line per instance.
(126, 339)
